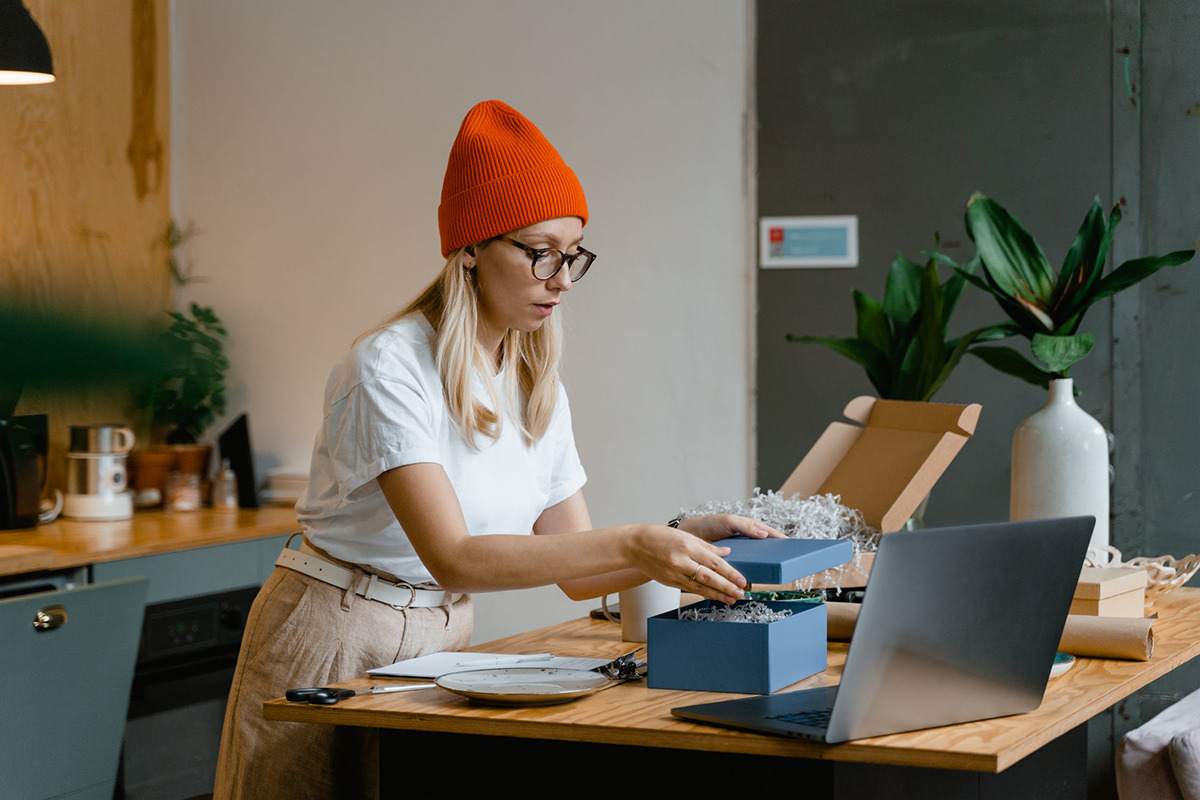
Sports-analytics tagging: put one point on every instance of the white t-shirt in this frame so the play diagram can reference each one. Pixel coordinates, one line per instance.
(384, 408)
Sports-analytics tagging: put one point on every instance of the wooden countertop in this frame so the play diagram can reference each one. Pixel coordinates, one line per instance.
(632, 714)
(66, 543)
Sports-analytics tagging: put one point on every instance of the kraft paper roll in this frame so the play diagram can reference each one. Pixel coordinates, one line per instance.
(1130, 638)
(1126, 638)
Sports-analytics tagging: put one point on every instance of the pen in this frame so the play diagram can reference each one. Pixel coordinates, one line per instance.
(505, 660)
(408, 687)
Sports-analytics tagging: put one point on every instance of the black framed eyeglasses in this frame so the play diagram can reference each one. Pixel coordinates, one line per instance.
(546, 261)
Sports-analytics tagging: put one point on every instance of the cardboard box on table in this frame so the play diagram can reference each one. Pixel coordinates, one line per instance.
(748, 657)
(883, 466)
(1110, 592)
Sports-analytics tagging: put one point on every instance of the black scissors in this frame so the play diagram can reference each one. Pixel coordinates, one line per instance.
(331, 695)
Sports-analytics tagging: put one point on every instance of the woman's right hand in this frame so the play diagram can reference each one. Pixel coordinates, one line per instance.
(677, 558)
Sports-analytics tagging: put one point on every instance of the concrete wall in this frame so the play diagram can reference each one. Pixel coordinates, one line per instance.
(1158, 482)
(310, 142)
(897, 112)
(1170, 301)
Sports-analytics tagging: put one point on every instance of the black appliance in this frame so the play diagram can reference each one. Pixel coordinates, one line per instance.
(20, 486)
(184, 668)
(234, 444)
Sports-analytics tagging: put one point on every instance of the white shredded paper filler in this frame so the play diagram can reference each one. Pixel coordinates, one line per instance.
(753, 611)
(821, 516)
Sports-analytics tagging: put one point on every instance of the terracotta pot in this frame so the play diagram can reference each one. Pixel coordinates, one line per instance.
(148, 470)
(192, 459)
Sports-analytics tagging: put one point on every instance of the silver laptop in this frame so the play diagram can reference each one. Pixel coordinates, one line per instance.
(957, 624)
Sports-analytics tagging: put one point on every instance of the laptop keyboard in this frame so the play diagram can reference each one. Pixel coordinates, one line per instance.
(813, 718)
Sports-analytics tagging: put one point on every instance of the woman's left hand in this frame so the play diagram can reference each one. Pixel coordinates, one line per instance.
(715, 527)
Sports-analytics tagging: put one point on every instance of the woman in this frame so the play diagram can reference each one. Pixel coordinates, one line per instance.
(446, 423)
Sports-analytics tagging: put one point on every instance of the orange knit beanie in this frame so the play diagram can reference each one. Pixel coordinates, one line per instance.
(503, 174)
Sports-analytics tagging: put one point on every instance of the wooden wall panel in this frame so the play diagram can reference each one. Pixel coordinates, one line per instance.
(84, 183)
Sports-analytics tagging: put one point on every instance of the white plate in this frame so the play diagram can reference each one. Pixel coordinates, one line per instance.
(1062, 663)
(523, 686)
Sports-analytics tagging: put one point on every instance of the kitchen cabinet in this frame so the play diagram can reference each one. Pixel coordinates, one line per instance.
(197, 573)
(67, 665)
(205, 570)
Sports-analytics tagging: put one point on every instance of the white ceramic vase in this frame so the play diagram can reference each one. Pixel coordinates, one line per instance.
(1060, 464)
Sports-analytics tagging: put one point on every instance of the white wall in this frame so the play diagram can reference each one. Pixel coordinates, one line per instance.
(309, 142)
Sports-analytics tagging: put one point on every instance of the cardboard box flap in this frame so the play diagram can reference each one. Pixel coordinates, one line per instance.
(778, 561)
(905, 415)
(885, 466)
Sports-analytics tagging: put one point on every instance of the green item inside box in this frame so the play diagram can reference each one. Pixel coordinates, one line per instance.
(786, 595)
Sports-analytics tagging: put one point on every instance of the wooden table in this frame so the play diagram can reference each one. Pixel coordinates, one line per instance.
(1041, 753)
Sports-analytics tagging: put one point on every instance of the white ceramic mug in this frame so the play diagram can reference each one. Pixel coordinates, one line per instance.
(639, 604)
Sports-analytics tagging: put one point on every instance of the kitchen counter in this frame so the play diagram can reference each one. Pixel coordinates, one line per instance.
(67, 543)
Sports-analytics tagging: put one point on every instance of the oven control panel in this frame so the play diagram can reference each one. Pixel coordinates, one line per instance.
(195, 624)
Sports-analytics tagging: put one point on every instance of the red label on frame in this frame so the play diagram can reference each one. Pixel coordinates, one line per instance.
(776, 235)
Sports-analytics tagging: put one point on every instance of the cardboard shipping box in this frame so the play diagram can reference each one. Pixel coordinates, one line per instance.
(1110, 592)
(883, 463)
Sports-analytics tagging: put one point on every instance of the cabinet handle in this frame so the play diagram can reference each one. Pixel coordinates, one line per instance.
(49, 618)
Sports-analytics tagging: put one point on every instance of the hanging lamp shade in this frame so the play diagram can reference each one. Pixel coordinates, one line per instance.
(24, 53)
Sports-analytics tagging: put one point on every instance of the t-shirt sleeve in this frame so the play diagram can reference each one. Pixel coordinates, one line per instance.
(567, 475)
(385, 420)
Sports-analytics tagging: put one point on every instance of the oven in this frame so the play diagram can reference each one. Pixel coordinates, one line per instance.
(185, 665)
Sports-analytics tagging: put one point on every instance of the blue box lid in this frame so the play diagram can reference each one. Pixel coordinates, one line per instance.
(784, 560)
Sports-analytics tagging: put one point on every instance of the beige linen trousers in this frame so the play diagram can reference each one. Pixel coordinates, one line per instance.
(303, 632)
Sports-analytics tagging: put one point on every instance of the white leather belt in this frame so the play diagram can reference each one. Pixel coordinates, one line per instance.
(372, 587)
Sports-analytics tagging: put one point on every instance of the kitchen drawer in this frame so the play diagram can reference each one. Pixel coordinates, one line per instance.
(201, 571)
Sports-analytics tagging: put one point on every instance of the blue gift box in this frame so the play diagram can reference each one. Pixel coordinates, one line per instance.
(744, 657)
(784, 560)
(748, 657)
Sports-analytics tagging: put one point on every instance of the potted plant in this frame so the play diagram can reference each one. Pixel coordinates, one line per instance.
(185, 397)
(189, 393)
(1045, 308)
(902, 342)
(1060, 454)
(182, 400)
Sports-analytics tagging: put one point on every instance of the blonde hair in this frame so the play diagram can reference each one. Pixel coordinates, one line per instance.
(451, 305)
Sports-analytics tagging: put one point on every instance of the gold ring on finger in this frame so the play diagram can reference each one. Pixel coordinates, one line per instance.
(694, 574)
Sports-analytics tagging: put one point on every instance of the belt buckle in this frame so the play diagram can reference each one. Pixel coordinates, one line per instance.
(370, 592)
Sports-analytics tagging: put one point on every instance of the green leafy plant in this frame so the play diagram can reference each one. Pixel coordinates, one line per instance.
(188, 394)
(173, 240)
(1044, 307)
(902, 342)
